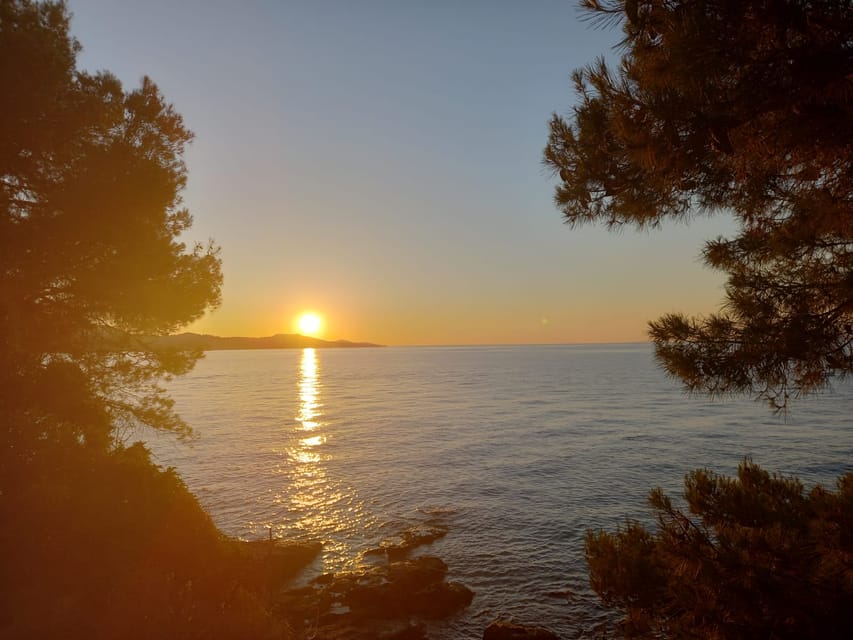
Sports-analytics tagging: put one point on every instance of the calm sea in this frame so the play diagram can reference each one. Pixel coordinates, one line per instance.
(517, 450)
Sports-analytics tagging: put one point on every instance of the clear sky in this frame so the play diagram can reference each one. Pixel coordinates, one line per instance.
(379, 162)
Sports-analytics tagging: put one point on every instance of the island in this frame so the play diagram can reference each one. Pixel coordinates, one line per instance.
(207, 342)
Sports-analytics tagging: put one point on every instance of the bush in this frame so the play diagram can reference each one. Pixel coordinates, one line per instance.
(759, 558)
(109, 545)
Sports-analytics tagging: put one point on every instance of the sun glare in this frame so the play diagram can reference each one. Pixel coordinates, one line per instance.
(309, 324)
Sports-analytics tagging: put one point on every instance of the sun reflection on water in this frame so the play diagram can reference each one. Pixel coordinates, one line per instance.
(319, 505)
(309, 406)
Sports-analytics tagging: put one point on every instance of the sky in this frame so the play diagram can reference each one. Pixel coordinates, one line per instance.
(380, 164)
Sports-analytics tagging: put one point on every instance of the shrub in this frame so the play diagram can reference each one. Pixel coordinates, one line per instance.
(756, 557)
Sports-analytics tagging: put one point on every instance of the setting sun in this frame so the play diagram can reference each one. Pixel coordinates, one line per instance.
(309, 324)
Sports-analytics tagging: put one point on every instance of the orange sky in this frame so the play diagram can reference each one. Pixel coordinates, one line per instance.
(380, 164)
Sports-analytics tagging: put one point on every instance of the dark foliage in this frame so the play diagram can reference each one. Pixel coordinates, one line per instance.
(738, 106)
(90, 251)
(743, 107)
(107, 546)
(98, 542)
(758, 558)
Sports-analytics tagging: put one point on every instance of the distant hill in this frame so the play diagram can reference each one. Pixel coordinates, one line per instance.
(207, 342)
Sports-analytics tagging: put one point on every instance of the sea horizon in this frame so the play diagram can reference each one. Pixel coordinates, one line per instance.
(517, 450)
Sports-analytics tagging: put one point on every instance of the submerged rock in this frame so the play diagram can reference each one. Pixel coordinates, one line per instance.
(408, 541)
(503, 630)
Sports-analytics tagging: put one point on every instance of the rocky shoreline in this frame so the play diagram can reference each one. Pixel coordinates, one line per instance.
(387, 601)
(392, 597)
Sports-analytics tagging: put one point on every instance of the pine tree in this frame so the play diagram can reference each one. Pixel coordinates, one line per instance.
(745, 107)
(91, 255)
(97, 541)
(756, 557)
(730, 106)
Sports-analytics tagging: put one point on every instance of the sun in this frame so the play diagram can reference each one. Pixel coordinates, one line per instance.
(309, 324)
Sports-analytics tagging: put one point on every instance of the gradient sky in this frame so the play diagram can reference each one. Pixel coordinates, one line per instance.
(380, 163)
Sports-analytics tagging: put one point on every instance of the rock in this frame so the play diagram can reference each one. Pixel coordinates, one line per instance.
(271, 563)
(503, 630)
(409, 587)
(409, 540)
(442, 600)
(286, 560)
(417, 573)
(325, 578)
(376, 602)
(419, 536)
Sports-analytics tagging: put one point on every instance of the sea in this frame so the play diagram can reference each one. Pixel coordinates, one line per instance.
(517, 450)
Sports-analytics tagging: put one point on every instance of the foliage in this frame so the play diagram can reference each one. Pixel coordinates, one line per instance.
(737, 106)
(758, 559)
(97, 541)
(107, 545)
(91, 256)
(743, 107)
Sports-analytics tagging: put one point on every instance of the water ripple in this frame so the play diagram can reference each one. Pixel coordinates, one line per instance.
(518, 450)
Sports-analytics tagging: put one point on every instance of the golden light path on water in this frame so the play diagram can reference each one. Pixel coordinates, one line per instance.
(322, 506)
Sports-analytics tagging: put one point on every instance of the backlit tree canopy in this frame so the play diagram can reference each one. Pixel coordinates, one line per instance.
(756, 556)
(743, 106)
(91, 256)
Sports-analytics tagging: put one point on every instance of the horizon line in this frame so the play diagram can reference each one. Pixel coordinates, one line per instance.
(443, 344)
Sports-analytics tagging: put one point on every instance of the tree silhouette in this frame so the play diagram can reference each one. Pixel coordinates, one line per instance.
(97, 541)
(745, 107)
(762, 560)
(91, 255)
